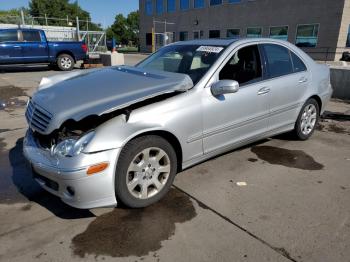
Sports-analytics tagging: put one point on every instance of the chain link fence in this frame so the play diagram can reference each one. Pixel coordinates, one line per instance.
(61, 29)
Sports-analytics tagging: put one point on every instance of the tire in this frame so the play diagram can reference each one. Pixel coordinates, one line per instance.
(307, 120)
(139, 181)
(65, 62)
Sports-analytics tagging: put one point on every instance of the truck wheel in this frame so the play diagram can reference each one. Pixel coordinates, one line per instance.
(145, 171)
(307, 120)
(65, 62)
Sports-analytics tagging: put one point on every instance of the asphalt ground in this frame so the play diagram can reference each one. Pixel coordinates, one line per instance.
(275, 200)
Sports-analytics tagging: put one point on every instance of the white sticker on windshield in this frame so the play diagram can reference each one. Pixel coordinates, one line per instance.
(210, 49)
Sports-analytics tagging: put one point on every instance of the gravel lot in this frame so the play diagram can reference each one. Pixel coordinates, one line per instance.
(276, 200)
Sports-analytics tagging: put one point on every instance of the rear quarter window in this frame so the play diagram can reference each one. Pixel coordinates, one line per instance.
(298, 64)
(278, 60)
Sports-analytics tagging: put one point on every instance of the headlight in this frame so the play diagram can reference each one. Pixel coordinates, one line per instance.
(73, 147)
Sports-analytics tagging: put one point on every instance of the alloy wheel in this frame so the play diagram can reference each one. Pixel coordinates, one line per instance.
(148, 173)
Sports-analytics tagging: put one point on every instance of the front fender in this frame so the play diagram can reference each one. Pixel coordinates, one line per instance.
(116, 132)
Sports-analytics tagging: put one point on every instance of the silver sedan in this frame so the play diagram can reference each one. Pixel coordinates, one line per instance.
(122, 133)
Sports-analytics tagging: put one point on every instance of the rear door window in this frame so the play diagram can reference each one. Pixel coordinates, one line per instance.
(279, 61)
(8, 36)
(31, 36)
(298, 64)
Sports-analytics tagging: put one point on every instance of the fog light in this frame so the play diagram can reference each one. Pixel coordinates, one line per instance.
(70, 190)
(97, 168)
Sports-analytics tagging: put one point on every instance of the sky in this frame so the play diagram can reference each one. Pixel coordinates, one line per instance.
(102, 11)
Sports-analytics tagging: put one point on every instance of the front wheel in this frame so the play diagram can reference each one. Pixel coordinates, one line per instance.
(65, 62)
(145, 171)
(307, 120)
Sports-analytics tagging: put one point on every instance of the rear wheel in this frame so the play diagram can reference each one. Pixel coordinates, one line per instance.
(145, 171)
(307, 120)
(65, 62)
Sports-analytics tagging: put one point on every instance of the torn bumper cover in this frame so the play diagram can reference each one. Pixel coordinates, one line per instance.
(67, 178)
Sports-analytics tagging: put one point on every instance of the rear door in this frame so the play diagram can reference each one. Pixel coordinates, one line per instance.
(10, 49)
(287, 79)
(34, 47)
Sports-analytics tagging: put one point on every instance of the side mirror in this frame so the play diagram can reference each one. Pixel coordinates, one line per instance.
(224, 87)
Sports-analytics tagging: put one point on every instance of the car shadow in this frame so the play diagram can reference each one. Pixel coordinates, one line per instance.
(23, 68)
(29, 188)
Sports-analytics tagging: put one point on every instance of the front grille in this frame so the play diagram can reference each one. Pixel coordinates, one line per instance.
(37, 117)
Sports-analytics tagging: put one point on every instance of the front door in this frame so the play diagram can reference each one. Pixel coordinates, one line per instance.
(232, 119)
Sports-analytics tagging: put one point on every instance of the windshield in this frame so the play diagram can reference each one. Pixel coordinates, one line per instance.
(192, 60)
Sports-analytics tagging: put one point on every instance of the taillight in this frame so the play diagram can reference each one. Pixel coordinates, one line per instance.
(84, 47)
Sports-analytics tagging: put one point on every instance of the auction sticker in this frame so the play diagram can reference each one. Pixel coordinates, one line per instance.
(210, 49)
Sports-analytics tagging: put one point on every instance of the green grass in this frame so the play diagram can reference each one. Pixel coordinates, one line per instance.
(127, 49)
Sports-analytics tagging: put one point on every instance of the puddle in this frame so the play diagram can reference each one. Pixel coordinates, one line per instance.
(336, 129)
(333, 127)
(134, 232)
(9, 97)
(285, 157)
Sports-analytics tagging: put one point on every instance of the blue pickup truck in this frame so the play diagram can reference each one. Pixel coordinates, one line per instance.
(24, 46)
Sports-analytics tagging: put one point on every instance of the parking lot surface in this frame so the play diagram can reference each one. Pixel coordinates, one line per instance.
(275, 200)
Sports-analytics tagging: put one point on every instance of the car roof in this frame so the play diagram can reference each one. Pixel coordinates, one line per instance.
(228, 41)
(216, 41)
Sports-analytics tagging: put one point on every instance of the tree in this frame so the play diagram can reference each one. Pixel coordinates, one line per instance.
(12, 16)
(120, 29)
(133, 21)
(125, 30)
(61, 9)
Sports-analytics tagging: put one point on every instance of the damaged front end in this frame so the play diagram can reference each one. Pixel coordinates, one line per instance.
(77, 125)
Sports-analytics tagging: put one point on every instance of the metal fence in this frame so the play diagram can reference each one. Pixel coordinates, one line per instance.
(60, 29)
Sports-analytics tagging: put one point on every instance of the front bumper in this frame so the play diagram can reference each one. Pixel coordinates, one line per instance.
(66, 177)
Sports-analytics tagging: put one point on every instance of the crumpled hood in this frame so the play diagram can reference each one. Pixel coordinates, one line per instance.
(95, 92)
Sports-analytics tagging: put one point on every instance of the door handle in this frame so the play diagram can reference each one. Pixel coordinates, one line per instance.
(42, 46)
(302, 80)
(17, 46)
(263, 91)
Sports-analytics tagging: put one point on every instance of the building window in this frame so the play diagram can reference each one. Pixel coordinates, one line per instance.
(215, 2)
(198, 34)
(214, 33)
(159, 7)
(233, 33)
(148, 38)
(254, 32)
(184, 4)
(279, 32)
(199, 3)
(149, 7)
(171, 6)
(307, 35)
(234, 1)
(183, 36)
